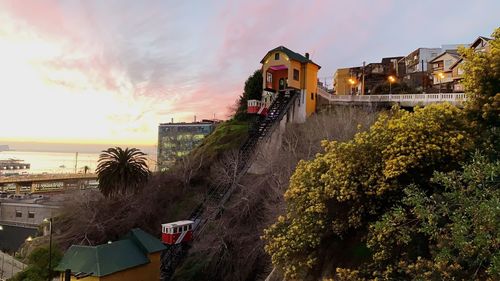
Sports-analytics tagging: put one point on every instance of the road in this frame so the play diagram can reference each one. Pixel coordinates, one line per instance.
(9, 266)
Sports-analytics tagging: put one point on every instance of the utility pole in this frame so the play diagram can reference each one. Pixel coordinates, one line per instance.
(363, 81)
(3, 259)
(423, 78)
(76, 161)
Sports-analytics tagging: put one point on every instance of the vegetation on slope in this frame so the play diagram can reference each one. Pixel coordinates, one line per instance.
(38, 265)
(400, 192)
(231, 248)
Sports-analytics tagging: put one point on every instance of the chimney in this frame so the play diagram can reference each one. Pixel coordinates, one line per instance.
(307, 55)
(172, 120)
(195, 119)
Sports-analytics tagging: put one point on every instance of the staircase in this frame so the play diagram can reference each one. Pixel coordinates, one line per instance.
(260, 130)
(265, 124)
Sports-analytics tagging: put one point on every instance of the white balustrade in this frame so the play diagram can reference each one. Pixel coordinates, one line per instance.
(404, 99)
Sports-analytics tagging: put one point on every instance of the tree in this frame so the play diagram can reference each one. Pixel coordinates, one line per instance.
(86, 169)
(450, 234)
(251, 91)
(399, 191)
(38, 262)
(121, 171)
(482, 85)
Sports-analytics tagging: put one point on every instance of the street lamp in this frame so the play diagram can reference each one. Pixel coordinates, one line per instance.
(440, 76)
(391, 80)
(352, 82)
(3, 255)
(49, 220)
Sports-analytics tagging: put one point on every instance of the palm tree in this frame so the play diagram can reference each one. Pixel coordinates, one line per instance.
(86, 169)
(121, 171)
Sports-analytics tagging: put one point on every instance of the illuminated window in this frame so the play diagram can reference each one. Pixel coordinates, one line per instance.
(269, 77)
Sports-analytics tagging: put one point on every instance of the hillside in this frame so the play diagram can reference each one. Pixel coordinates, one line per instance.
(231, 248)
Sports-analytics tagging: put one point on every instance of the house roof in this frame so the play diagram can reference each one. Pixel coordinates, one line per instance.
(456, 63)
(453, 53)
(291, 54)
(105, 259)
(478, 39)
(149, 243)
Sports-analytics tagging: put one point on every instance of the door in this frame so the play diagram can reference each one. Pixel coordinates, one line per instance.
(282, 83)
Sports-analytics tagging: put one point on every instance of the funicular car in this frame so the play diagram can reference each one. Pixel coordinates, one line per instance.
(177, 232)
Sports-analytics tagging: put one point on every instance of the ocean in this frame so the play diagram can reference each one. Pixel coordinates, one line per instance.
(60, 162)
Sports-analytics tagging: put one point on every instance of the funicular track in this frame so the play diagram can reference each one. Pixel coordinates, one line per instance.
(219, 195)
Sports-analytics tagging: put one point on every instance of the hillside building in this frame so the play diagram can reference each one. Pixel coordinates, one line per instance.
(364, 80)
(346, 80)
(288, 73)
(135, 257)
(442, 71)
(178, 139)
(480, 45)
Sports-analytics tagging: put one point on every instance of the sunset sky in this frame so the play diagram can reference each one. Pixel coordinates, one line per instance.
(110, 71)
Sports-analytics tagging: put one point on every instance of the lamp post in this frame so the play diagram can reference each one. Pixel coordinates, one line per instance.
(352, 82)
(440, 76)
(391, 80)
(49, 220)
(3, 255)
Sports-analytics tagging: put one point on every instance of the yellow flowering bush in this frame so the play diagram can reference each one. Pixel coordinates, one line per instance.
(354, 181)
(378, 191)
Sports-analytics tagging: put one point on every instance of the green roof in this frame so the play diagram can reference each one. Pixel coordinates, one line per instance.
(149, 243)
(291, 54)
(102, 260)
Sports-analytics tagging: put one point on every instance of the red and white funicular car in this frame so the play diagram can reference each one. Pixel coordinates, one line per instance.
(177, 232)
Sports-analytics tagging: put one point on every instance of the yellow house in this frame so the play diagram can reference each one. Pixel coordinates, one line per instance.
(346, 81)
(136, 257)
(341, 83)
(284, 70)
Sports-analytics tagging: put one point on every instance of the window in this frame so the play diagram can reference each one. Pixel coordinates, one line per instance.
(296, 74)
(19, 214)
(277, 56)
(31, 215)
(269, 77)
(312, 96)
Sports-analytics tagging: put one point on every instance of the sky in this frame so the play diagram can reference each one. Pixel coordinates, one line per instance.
(95, 72)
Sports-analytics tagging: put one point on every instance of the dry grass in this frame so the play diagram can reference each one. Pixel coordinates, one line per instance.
(231, 248)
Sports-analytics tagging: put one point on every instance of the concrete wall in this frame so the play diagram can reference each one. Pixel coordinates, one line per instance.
(39, 212)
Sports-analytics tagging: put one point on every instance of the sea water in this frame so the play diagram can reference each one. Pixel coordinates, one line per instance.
(60, 162)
